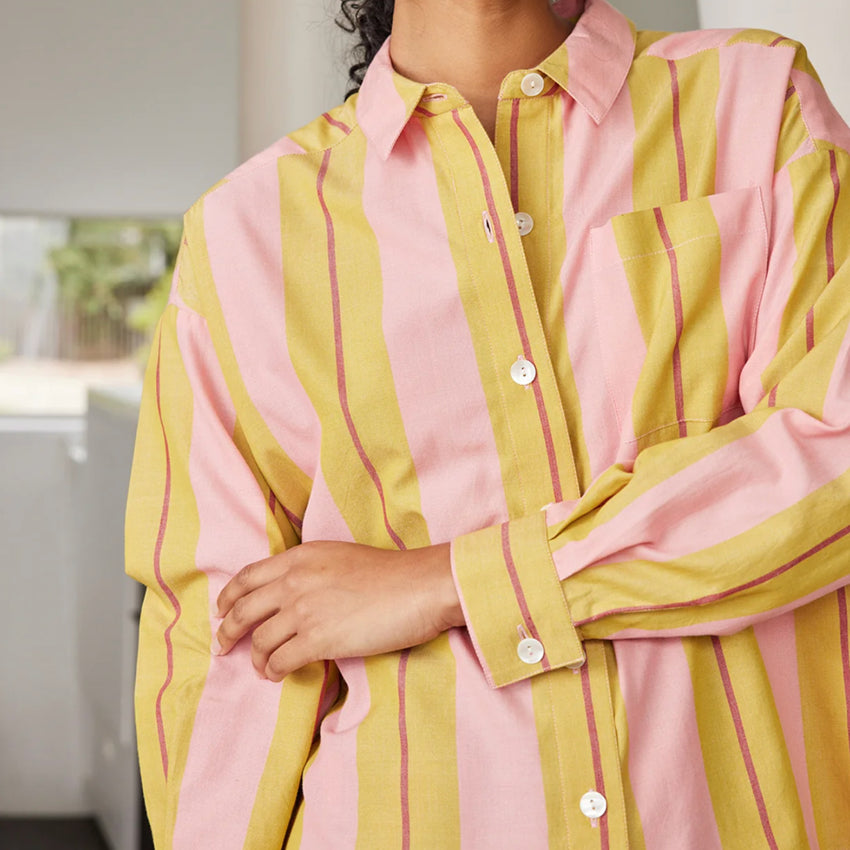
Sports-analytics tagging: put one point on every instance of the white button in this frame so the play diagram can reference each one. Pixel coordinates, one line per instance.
(530, 650)
(532, 84)
(524, 223)
(593, 804)
(523, 371)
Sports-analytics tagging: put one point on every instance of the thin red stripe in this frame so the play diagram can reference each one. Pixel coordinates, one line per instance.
(515, 155)
(511, 281)
(742, 742)
(340, 358)
(274, 504)
(405, 751)
(771, 401)
(157, 568)
(680, 323)
(677, 130)
(510, 565)
(845, 651)
(792, 90)
(424, 111)
(830, 225)
(593, 735)
(717, 597)
(778, 40)
(810, 329)
(344, 127)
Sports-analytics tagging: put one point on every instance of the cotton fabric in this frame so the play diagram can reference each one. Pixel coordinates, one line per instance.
(664, 507)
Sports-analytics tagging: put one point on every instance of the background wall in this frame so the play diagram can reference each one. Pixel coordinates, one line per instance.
(817, 23)
(116, 106)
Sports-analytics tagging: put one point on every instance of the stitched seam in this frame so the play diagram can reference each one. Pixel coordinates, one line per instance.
(621, 797)
(488, 334)
(685, 419)
(765, 255)
(672, 247)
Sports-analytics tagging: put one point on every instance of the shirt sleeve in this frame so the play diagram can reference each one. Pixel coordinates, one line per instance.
(708, 534)
(221, 750)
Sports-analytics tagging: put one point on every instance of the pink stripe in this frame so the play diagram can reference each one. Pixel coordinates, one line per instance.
(331, 783)
(405, 753)
(792, 90)
(512, 814)
(742, 742)
(420, 278)
(518, 591)
(658, 692)
(677, 131)
(515, 155)
(845, 651)
(594, 282)
(215, 804)
(594, 748)
(778, 40)
(777, 640)
(340, 358)
(680, 322)
(333, 121)
(511, 281)
(771, 401)
(243, 235)
(830, 226)
(717, 597)
(157, 567)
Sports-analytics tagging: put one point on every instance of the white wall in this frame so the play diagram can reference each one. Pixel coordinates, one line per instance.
(43, 746)
(292, 67)
(821, 25)
(115, 106)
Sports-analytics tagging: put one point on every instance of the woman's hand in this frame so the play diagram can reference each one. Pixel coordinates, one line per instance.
(326, 600)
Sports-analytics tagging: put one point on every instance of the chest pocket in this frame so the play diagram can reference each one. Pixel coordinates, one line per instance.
(676, 294)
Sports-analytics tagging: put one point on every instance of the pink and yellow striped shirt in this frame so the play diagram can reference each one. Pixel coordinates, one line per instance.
(607, 357)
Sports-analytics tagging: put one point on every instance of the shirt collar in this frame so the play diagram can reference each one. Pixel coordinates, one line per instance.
(591, 66)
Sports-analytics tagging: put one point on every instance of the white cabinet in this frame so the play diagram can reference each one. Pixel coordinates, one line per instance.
(108, 610)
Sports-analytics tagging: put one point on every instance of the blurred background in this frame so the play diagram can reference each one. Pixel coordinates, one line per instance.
(114, 117)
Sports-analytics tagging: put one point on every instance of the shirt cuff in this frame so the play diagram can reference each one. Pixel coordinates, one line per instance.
(513, 602)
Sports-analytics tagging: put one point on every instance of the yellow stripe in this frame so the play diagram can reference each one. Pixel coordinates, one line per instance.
(824, 708)
(379, 759)
(191, 636)
(487, 304)
(433, 778)
(282, 474)
(368, 377)
(638, 580)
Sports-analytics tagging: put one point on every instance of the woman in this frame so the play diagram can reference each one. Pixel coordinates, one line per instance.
(544, 365)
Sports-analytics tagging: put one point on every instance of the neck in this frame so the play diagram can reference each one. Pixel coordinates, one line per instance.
(473, 44)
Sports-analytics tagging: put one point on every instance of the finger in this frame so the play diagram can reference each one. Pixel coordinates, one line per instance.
(247, 580)
(246, 613)
(292, 655)
(268, 637)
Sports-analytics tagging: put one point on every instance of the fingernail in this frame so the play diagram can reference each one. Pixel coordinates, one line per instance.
(215, 646)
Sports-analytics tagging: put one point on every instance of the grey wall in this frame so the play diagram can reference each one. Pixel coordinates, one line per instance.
(660, 14)
(115, 106)
(43, 746)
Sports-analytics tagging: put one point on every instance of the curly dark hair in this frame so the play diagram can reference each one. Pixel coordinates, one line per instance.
(372, 20)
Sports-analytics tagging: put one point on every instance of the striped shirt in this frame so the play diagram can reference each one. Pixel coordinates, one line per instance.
(607, 357)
